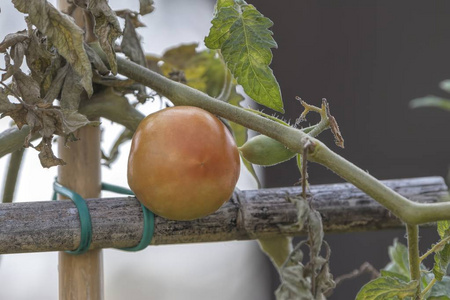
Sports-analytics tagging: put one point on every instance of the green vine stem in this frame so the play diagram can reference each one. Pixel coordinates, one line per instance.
(413, 254)
(428, 288)
(12, 139)
(435, 248)
(408, 211)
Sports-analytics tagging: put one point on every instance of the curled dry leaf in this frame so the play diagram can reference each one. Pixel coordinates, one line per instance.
(63, 33)
(338, 139)
(145, 7)
(46, 156)
(131, 47)
(107, 29)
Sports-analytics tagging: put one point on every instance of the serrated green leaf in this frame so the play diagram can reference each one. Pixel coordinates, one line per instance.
(386, 273)
(398, 253)
(443, 228)
(224, 3)
(242, 35)
(387, 288)
(441, 261)
(63, 33)
(430, 101)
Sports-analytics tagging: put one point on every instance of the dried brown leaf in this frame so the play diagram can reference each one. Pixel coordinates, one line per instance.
(107, 29)
(12, 39)
(27, 88)
(63, 33)
(145, 7)
(131, 47)
(71, 91)
(46, 156)
(56, 85)
(134, 16)
(5, 104)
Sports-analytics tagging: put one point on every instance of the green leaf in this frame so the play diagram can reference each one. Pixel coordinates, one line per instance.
(63, 33)
(441, 261)
(242, 35)
(401, 277)
(387, 288)
(443, 228)
(441, 290)
(430, 101)
(398, 253)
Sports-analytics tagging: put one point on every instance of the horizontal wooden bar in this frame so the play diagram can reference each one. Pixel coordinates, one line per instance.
(118, 222)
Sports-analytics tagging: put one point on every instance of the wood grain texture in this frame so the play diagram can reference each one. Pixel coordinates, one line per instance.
(118, 222)
(81, 276)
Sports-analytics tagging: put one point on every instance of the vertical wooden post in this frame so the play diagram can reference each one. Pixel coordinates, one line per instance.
(81, 276)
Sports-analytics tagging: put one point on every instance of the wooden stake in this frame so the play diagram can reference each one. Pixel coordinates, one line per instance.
(81, 276)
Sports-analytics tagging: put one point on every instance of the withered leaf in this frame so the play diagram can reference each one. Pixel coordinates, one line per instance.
(56, 85)
(12, 39)
(5, 104)
(71, 91)
(27, 88)
(107, 29)
(46, 156)
(63, 33)
(145, 7)
(43, 63)
(72, 120)
(18, 53)
(10, 69)
(134, 16)
(131, 47)
(95, 59)
(131, 43)
(179, 56)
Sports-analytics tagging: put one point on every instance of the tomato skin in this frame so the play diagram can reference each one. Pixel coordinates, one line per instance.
(183, 163)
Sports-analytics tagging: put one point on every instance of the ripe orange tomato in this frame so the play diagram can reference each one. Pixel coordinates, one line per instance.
(183, 163)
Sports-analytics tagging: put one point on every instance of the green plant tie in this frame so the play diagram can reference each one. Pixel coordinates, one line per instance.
(86, 223)
(149, 218)
(83, 212)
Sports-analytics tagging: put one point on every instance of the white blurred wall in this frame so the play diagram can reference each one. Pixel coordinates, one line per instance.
(232, 270)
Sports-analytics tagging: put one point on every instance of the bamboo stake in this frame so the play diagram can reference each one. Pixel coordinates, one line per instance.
(81, 276)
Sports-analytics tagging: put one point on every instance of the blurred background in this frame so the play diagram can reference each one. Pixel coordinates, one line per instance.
(368, 58)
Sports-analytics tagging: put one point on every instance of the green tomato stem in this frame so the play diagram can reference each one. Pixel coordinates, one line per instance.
(413, 254)
(296, 140)
(429, 286)
(440, 244)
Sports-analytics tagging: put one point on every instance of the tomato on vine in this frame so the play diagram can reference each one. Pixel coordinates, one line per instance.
(183, 163)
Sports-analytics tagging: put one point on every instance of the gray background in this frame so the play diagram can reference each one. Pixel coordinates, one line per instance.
(369, 59)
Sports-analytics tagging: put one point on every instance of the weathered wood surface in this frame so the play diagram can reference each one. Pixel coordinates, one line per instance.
(117, 222)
